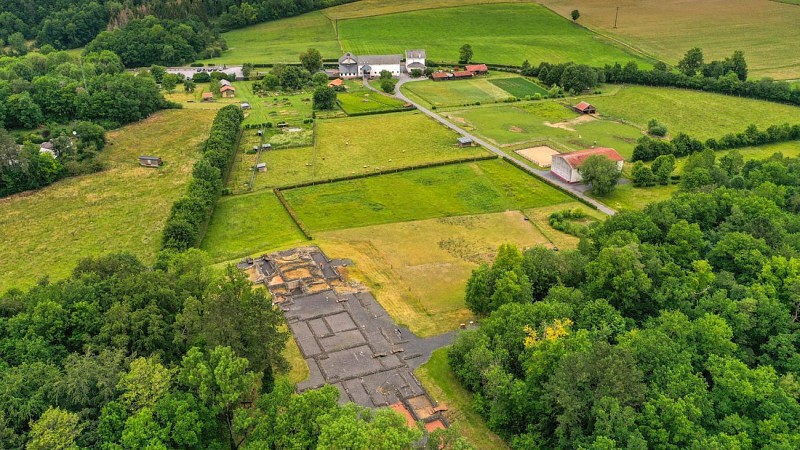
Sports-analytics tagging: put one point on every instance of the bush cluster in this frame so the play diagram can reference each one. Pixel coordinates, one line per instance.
(190, 213)
(563, 221)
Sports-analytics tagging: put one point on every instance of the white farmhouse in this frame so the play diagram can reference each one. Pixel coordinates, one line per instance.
(415, 59)
(566, 165)
(352, 66)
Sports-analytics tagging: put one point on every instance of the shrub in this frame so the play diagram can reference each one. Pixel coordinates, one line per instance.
(656, 128)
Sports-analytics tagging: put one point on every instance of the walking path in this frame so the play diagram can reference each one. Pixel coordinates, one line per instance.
(544, 175)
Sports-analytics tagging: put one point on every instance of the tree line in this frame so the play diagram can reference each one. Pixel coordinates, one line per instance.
(648, 149)
(672, 327)
(190, 214)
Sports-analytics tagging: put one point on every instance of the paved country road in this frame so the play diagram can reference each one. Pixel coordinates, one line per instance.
(544, 175)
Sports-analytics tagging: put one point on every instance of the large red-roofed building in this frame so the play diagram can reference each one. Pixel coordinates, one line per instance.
(566, 165)
(478, 69)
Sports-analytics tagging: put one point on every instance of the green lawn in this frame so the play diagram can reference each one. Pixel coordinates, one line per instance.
(359, 99)
(121, 209)
(442, 384)
(349, 146)
(289, 108)
(244, 224)
(280, 41)
(471, 188)
(700, 114)
(456, 92)
(519, 87)
(626, 196)
(500, 33)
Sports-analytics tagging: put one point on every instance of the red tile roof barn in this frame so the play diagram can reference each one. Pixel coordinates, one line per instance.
(463, 74)
(477, 68)
(575, 159)
(583, 106)
(336, 82)
(227, 88)
(440, 75)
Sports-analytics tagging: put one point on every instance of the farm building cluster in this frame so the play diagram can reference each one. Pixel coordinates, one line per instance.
(346, 337)
(470, 71)
(370, 66)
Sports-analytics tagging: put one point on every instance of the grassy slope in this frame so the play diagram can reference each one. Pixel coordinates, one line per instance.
(442, 384)
(244, 224)
(766, 31)
(700, 114)
(503, 33)
(367, 8)
(119, 209)
(280, 40)
(418, 270)
(487, 186)
(518, 87)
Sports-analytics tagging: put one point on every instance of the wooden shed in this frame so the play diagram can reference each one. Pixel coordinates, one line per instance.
(585, 108)
(465, 142)
(150, 161)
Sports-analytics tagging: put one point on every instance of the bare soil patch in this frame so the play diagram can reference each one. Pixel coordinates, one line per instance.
(567, 124)
(542, 155)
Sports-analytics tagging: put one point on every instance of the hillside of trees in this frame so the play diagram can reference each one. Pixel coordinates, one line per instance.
(672, 327)
(121, 355)
(66, 24)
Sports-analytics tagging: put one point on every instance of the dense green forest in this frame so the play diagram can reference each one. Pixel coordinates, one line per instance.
(65, 24)
(672, 327)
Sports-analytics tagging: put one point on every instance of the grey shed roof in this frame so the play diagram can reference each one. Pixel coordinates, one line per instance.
(224, 82)
(150, 158)
(348, 58)
(380, 59)
(48, 145)
(415, 65)
(419, 54)
(464, 140)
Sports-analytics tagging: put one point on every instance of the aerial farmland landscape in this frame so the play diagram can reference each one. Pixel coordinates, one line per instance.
(399, 224)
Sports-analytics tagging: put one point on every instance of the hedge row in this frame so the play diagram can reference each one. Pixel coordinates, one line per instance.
(190, 214)
(388, 171)
(648, 149)
(306, 232)
(371, 113)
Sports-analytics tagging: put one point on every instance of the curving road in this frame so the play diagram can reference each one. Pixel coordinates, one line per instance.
(544, 175)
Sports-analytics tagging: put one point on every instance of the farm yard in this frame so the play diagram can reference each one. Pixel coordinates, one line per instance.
(765, 30)
(499, 33)
(120, 209)
(457, 189)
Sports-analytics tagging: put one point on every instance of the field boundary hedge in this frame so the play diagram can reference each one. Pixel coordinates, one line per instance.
(300, 225)
(388, 171)
(190, 214)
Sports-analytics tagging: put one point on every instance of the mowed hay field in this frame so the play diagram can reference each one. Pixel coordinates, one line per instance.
(368, 8)
(457, 189)
(245, 224)
(518, 87)
(767, 31)
(280, 41)
(700, 114)
(418, 270)
(498, 33)
(121, 209)
(365, 144)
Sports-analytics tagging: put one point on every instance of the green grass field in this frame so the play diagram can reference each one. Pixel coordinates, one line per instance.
(472, 188)
(518, 87)
(368, 8)
(349, 146)
(280, 41)
(456, 92)
(700, 114)
(121, 209)
(545, 121)
(765, 30)
(442, 384)
(359, 99)
(499, 33)
(244, 224)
